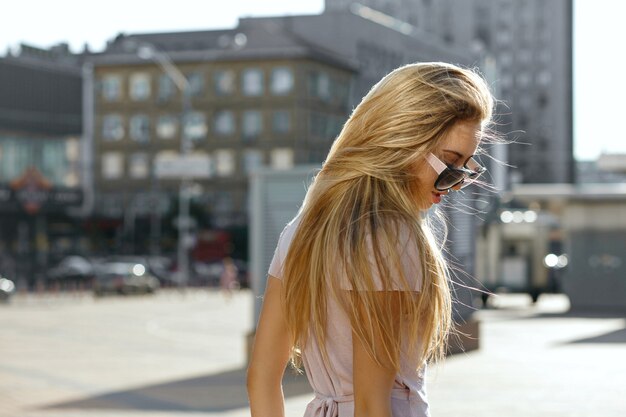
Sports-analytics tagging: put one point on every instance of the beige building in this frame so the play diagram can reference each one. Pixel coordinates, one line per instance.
(251, 105)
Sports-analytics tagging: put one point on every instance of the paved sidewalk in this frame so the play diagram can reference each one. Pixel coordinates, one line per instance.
(183, 355)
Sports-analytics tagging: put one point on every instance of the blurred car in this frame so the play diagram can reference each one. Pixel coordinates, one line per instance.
(72, 268)
(124, 278)
(157, 266)
(7, 288)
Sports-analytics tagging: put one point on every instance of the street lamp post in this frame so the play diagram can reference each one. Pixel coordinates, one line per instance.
(145, 50)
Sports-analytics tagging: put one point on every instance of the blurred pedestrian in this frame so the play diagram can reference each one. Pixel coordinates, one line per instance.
(228, 278)
(358, 289)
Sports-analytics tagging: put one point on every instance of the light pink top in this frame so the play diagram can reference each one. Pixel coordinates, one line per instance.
(332, 382)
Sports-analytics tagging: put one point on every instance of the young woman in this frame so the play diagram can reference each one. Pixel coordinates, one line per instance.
(358, 288)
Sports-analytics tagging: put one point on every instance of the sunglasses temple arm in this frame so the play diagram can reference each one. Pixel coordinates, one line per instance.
(436, 163)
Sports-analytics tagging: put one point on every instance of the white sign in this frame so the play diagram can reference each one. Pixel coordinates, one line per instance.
(186, 166)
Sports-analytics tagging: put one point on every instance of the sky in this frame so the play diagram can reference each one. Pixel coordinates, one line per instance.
(599, 34)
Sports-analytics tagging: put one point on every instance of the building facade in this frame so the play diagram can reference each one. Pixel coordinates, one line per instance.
(531, 43)
(40, 143)
(271, 92)
(258, 98)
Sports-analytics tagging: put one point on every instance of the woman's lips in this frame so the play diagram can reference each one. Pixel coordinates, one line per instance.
(436, 198)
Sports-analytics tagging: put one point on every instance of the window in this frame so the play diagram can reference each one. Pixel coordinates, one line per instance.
(167, 88)
(506, 59)
(336, 126)
(252, 125)
(224, 162)
(167, 126)
(138, 165)
(324, 126)
(543, 100)
(195, 126)
(281, 81)
(319, 85)
(506, 81)
(282, 158)
(544, 78)
(112, 87)
(139, 86)
(252, 82)
(252, 160)
(224, 82)
(140, 128)
(112, 165)
(342, 89)
(523, 80)
(224, 122)
(57, 159)
(525, 56)
(545, 56)
(281, 122)
(504, 38)
(196, 84)
(112, 127)
(52, 162)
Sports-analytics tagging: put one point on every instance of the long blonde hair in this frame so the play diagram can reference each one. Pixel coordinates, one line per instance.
(359, 203)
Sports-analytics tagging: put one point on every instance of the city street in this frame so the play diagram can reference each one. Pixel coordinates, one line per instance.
(183, 354)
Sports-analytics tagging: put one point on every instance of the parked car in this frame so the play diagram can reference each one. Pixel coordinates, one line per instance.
(72, 269)
(7, 288)
(124, 278)
(157, 266)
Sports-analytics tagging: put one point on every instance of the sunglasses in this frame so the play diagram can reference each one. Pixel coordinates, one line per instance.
(449, 177)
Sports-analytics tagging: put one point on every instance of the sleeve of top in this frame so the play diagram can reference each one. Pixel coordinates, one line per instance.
(276, 266)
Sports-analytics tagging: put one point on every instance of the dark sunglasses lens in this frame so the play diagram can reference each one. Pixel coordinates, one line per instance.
(448, 179)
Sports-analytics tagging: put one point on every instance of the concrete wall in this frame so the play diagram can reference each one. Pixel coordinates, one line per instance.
(275, 200)
(596, 244)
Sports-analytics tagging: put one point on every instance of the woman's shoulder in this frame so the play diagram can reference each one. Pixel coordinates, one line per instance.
(290, 230)
(284, 240)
